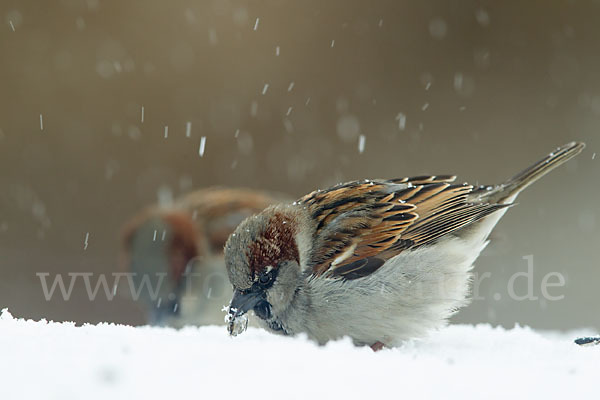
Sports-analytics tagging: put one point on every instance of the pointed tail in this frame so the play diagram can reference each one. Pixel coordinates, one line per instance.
(507, 191)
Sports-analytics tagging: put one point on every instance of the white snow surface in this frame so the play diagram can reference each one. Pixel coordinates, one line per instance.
(47, 360)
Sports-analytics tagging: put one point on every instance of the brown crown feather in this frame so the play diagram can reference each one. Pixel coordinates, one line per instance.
(276, 243)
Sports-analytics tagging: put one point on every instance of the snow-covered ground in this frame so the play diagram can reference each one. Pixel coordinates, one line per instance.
(45, 360)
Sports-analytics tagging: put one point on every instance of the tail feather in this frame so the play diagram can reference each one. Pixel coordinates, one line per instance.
(507, 191)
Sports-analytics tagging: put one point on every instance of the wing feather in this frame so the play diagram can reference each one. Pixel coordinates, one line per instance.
(360, 225)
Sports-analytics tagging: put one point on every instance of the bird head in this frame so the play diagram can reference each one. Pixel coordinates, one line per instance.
(263, 264)
(158, 247)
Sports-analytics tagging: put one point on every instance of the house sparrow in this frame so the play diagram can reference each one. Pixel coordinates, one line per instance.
(176, 254)
(379, 261)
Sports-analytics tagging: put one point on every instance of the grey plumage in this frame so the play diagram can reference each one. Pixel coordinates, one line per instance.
(378, 261)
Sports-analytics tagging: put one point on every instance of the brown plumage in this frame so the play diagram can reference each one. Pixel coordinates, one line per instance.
(276, 243)
(380, 220)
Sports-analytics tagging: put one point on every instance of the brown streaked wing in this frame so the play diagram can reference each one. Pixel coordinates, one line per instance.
(360, 225)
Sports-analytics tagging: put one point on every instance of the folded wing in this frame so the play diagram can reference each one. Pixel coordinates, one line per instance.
(360, 225)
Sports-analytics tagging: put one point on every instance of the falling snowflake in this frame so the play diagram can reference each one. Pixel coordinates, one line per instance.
(361, 143)
(202, 145)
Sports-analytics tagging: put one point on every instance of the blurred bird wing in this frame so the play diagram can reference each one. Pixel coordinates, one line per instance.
(221, 210)
(360, 225)
(218, 201)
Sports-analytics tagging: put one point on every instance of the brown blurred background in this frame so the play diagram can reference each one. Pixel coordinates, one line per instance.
(476, 88)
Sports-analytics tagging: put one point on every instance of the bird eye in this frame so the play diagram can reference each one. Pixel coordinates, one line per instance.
(264, 278)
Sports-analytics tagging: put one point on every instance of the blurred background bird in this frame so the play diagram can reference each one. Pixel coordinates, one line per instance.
(175, 254)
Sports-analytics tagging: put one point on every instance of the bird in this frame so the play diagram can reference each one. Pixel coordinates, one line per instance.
(379, 261)
(174, 254)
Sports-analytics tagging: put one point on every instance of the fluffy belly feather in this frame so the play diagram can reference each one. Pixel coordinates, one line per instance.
(410, 295)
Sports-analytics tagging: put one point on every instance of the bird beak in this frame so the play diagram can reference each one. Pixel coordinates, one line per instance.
(241, 303)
